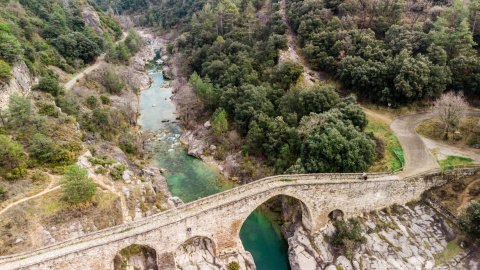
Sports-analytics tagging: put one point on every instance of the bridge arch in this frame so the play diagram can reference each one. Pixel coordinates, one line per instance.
(307, 217)
(121, 258)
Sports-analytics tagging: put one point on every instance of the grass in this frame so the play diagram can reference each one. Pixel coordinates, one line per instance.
(454, 160)
(382, 130)
(433, 129)
(74, 75)
(451, 250)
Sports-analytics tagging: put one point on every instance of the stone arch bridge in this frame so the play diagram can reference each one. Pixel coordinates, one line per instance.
(220, 217)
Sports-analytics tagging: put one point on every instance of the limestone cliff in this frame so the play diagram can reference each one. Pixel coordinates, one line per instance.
(406, 238)
(92, 19)
(21, 83)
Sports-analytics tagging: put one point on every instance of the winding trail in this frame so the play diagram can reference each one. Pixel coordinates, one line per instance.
(91, 68)
(309, 76)
(48, 189)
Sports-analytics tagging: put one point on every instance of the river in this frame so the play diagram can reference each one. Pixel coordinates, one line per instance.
(190, 178)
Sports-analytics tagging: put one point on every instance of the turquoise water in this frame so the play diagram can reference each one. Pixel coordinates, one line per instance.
(190, 178)
(267, 245)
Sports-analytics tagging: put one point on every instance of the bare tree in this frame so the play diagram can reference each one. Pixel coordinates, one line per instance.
(451, 108)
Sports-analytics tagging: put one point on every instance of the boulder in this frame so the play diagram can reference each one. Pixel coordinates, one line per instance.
(344, 263)
(91, 17)
(175, 201)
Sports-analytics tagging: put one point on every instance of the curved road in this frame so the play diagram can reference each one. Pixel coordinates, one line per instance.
(417, 156)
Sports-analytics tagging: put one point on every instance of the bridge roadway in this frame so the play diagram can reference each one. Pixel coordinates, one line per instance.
(221, 216)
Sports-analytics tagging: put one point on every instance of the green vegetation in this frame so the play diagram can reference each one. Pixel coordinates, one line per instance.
(454, 160)
(389, 161)
(5, 72)
(77, 187)
(467, 132)
(117, 172)
(234, 266)
(396, 53)
(451, 250)
(469, 221)
(12, 158)
(347, 234)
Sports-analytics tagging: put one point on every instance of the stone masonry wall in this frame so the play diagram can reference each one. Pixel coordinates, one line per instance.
(220, 217)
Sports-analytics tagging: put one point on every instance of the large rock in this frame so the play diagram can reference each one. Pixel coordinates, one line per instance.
(91, 17)
(21, 83)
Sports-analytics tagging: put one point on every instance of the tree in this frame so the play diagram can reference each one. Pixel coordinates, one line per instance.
(12, 157)
(19, 110)
(220, 124)
(49, 84)
(337, 146)
(10, 48)
(43, 149)
(451, 108)
(113, 83)
(5, 72)
(77, 186)
(469, 220)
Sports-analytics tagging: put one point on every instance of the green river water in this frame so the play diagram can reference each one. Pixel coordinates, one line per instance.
(190, 178)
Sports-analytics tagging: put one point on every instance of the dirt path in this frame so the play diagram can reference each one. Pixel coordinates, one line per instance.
(465, 198)
(309, 76)
(383, 117)
(48, 189)
(98, 61)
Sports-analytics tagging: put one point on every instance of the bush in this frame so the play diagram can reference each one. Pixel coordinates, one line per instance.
(234, 266)
(379, 148)
(77, 187)
(68, 104)
(113, 83)
(92, 101)
(473, 139)
(49, 109)
(474, 189)
(2, 190)
(345, 232)
(105, 99)
(49, 84)
(12, 158)
(5, 72)
(469, 221)
(117, 172)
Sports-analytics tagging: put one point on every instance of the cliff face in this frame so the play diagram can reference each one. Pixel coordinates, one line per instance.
(21, 83)
(91, 18)
(403, 238)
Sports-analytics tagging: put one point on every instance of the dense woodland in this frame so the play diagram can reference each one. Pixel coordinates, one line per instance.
(52, 35)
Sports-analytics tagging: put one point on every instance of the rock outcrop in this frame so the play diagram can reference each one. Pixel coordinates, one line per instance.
(90, 16)
(199, 253)
(21, 83)
(409, 238)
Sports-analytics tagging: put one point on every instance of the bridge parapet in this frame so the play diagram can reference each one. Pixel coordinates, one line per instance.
(320, 192)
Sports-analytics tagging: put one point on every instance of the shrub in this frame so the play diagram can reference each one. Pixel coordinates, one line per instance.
(469, 221)
(49, 109)
(2, 190)
(113, 83)
(379, 148)
(474, 189)
(68, 104)
(92, 101)
(346, 231)
(105, 99)
(117, 172)
(5, 72)
(473, 139)
(39, 176)
(77, 187)
(49, 84)
(100, 170)
(12, 158)
(234, 266)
